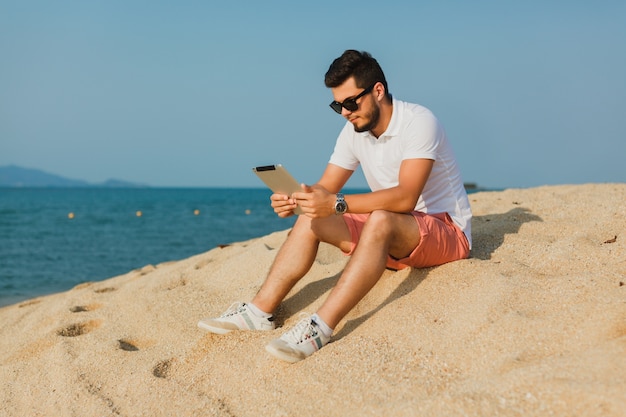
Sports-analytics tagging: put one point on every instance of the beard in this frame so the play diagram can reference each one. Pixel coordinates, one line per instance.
(371, 120)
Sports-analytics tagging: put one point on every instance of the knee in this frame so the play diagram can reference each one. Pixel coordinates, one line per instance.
(332, 230)
(312, 228)
(379, 222)
(321, 229)
(302, 225)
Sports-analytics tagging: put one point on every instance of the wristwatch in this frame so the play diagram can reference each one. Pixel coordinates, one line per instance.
(340, 205)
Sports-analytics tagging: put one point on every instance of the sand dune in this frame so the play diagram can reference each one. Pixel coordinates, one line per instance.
(533, 324)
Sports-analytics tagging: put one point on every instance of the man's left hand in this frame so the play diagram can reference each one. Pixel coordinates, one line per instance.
(316, 201)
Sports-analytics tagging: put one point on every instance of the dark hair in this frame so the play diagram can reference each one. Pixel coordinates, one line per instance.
(360, 65)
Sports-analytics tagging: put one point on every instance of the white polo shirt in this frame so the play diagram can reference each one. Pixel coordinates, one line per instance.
(413, 133)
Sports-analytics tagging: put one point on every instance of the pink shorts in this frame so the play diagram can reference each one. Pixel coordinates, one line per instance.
(441, 241)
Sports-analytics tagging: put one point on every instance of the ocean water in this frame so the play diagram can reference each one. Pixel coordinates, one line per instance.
(52, 239)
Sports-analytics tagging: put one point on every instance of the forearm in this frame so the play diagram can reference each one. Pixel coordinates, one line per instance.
(400, 199)
(393, 199)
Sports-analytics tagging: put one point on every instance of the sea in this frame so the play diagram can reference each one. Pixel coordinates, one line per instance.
(52, 239)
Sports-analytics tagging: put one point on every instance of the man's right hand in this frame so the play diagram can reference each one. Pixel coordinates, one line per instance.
(283, 204)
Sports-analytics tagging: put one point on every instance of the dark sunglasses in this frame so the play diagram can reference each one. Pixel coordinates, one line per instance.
(350, 104)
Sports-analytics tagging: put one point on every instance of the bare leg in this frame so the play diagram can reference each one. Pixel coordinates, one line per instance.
(384, 233)
(295, 258)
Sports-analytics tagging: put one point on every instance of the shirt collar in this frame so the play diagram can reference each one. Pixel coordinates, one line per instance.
(396, 115)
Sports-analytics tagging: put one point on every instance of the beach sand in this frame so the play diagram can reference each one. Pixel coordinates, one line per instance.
(533, 324)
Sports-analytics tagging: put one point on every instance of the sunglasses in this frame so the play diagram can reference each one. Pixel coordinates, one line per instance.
(350, 104)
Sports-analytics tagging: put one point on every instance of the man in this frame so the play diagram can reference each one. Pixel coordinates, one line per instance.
(416, 215)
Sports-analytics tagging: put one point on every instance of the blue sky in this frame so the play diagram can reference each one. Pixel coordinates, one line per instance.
(195, 93)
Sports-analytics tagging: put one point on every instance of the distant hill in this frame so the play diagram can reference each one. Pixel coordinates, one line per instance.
(14, 176)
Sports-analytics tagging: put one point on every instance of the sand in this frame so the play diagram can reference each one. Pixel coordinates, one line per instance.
(533, 324)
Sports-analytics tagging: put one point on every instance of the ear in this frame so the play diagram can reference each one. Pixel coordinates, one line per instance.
(379, 91)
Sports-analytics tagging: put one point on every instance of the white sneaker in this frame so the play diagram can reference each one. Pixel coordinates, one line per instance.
(237, 317)
(299, 343)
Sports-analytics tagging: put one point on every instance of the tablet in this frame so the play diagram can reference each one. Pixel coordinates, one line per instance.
(279, 180)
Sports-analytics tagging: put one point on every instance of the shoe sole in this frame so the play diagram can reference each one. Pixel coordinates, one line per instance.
(281, 355)
(216, 330)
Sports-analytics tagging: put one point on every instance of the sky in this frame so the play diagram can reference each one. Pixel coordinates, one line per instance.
(196, 93)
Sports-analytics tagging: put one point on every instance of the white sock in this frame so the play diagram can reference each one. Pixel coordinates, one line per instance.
(258, 312)
(322, 325)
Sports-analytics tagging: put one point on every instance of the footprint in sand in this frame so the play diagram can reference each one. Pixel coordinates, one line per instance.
(78, 329)
(162, 369)
(106, 289)
(145, 270)
(88, 307)
(127, 345)
(203, 263)
(175, 283)
(130, 344)
(29, 303)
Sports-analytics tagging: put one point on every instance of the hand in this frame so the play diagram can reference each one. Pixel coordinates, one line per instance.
(283, 204)
(315, 201)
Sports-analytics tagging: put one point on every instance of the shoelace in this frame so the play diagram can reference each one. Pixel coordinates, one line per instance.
(234, 308)
(305, 329)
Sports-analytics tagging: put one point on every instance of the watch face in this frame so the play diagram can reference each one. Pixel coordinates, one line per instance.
(341, 207)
